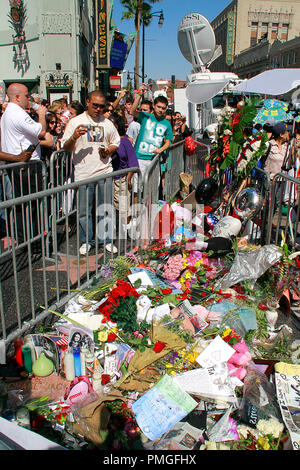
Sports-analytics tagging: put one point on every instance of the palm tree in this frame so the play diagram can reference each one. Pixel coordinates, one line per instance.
(140, 11)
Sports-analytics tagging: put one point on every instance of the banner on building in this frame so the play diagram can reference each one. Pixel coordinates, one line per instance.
(118, 54)
(230, 38)
(103, 55)
(130, 38)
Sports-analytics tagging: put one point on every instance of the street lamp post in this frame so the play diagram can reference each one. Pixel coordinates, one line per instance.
(159, 14)
(132, 73)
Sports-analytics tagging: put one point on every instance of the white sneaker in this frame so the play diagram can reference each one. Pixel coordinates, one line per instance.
(111, 248)
(85, 248)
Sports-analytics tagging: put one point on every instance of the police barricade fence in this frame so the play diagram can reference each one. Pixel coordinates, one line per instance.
(196, 164)
(172, 169)
(284, 211)
(255, 229)
(161, 180)
(30, 283)
(17, 181)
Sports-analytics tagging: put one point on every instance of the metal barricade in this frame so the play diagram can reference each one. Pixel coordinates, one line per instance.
(61, 172)
(31, 284)
(196, 163)
(17, 181)
(175, 164)
(284, 212)
(150, 198)
(256, 227)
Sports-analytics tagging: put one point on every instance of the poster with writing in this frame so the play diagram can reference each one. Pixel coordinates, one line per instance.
(161, 407)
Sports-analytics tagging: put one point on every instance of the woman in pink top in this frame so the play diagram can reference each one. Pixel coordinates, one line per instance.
(278, 151)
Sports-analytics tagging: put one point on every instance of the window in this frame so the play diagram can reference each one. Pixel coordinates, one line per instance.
(282, 61)
(274, 32)
(288, 59)
(284, 31)
(264, 30)
(294, 57)
(253, 37)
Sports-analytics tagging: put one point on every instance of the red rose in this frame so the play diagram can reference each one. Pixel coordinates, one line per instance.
(263, 306)
(105, 379)
(166, 291)
(111, 337)
(192, 269)
(159, 346)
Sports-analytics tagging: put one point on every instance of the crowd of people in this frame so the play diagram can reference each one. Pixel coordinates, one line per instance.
(103, 135)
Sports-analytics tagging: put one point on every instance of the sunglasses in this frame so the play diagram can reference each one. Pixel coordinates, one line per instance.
(96, 105)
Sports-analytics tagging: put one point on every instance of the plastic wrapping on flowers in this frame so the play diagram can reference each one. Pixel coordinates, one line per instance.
(164, 316)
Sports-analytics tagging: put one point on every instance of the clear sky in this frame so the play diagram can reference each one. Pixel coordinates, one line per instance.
(162, 54)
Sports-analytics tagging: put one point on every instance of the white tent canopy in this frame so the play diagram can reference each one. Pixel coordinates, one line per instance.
(272, 82)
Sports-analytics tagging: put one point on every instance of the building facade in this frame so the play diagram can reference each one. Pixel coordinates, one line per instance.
(265, 56)
(245, 24)
(49, 46)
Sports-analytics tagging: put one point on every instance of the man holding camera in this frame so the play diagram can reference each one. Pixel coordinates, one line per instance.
(93, 139)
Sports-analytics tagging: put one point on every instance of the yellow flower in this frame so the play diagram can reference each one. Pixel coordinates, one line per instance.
(226, 332)
(102, 336)
(192, 357)
(264, 443)
(169, 365)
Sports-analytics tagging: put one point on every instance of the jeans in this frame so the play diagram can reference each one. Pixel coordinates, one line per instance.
(104, 212)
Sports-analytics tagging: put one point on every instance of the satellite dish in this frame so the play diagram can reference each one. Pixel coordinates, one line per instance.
(199, 91)
(196, 40)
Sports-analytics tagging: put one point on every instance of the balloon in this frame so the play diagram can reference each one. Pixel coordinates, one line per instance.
(190, 145)
(248, 203)
(227, 227)
(206, 191)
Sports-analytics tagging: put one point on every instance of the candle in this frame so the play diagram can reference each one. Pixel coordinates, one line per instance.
(83, 353)
(69, 365)
(26, 353)
(77, 365)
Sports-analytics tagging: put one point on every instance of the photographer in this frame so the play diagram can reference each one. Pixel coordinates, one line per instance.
(180, 129)
(93, 139)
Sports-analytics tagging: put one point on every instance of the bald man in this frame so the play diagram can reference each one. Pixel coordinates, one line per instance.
(18, 130)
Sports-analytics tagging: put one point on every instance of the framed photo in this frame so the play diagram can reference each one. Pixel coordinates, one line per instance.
(57, 93)
(265, 366)
(43, 344)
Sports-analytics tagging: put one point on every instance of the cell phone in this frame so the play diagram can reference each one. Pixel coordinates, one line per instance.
(32, 148)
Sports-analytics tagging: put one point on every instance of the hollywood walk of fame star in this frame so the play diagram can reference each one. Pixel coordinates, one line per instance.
(74, 266)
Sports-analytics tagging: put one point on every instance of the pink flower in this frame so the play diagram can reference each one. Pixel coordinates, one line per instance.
(239, 360)
(239, 372)
(138, 334)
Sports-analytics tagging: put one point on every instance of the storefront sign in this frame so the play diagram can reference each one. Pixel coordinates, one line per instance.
(230, 38)
(115, 82)
(103, 39)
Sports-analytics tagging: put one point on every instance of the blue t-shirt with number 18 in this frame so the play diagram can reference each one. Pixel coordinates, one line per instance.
(153, 133)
